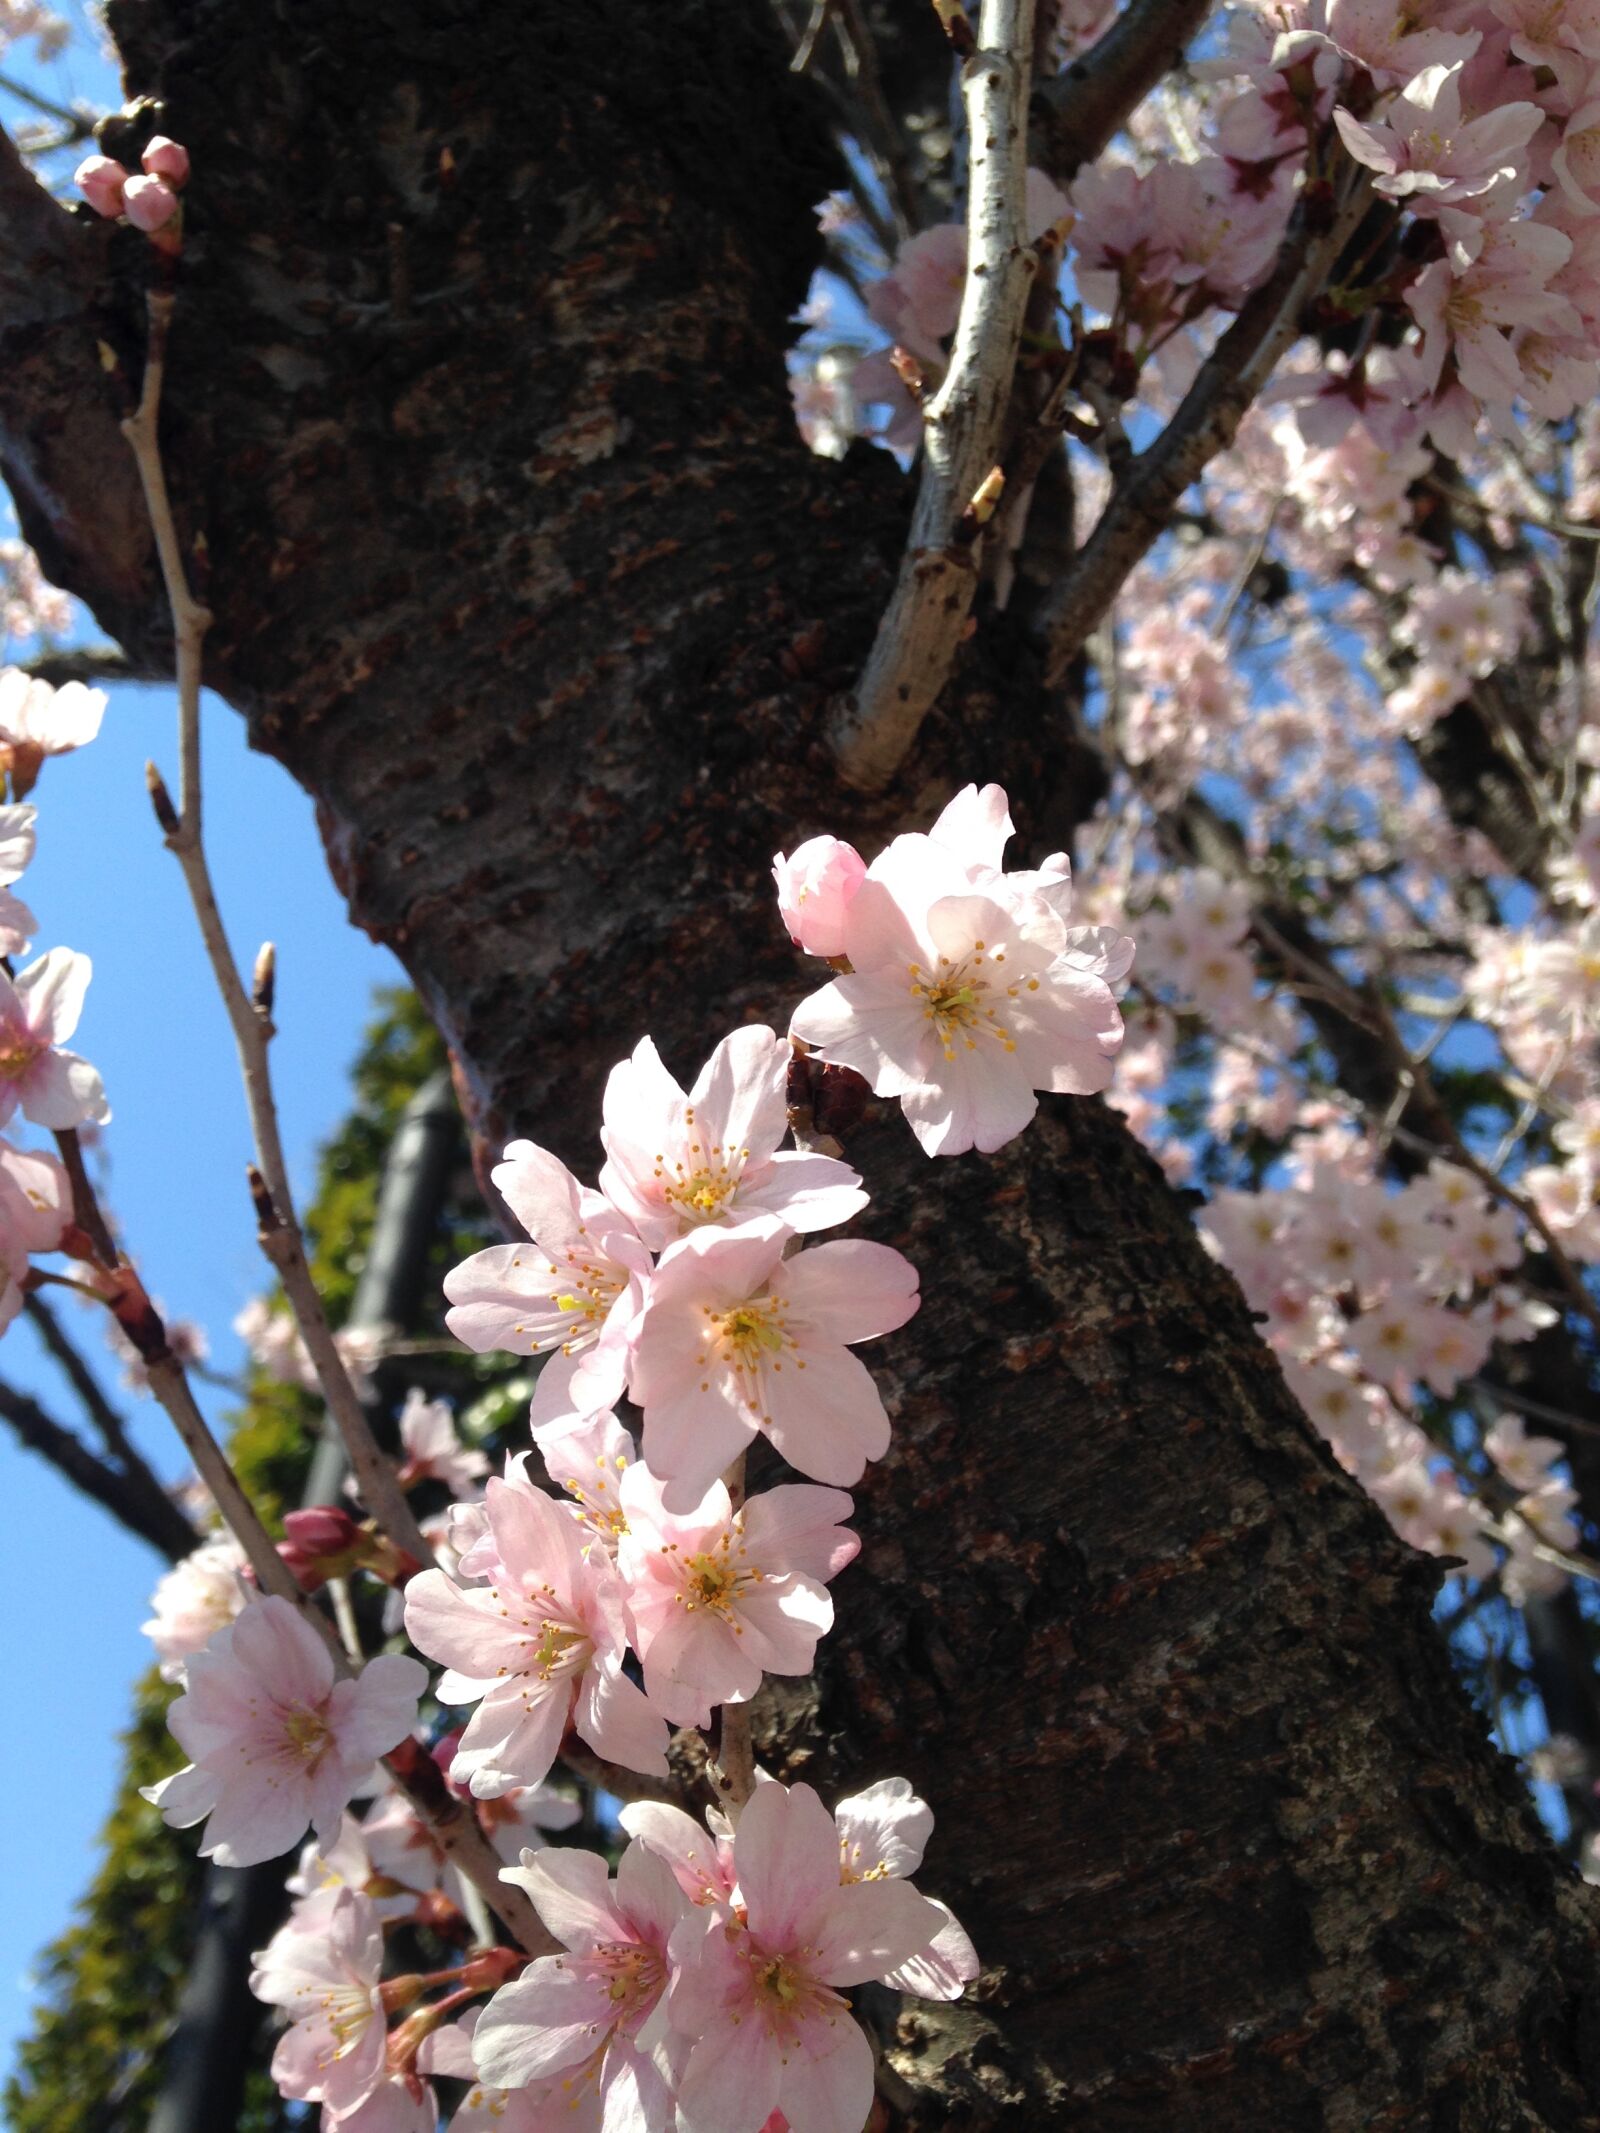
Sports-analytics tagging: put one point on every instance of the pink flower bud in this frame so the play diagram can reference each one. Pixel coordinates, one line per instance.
(167, 159)
(322, 1543)
(815, 883)
(149, 204)
(101, 182)
(323, 1529)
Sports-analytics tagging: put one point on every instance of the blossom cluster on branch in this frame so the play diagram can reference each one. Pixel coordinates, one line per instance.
(607, 1590)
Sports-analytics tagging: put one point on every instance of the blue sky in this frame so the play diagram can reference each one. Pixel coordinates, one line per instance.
(178, 1141)
(104, 884)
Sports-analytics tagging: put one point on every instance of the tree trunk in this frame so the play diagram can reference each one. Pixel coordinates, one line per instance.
(478, 399)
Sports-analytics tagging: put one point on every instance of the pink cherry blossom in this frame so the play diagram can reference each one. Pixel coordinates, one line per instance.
(676, 1162)
(575, 1287)
(17, 923)
(883, 1831)
(960, 1003)
(735, 1339)
(1394, 44)
(35, 1207)
(539, 1649)
(593, 2015)
(1422, 148)
(699, 1854)
(37, 1010)
(433, 1451)
(327, 1981)
(195, 1599)
(815, 883)
(760, 1997)
(555, 2105)
(277, 1741)
(37, 720)
(718, 1597)
(588, 1464)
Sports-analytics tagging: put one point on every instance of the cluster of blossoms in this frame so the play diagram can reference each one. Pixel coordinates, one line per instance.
(275, 1347)
(612, 1587)
(700, 1986)
(1475, 286)
(1372, 1294)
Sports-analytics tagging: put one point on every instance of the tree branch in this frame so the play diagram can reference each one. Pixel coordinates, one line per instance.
(1076, 112)
(927, 616)
(95, 662)
(158, 1521)
(1204, 425)
(60, 451)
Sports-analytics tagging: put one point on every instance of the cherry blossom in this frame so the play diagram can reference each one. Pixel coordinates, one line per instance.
(675, 1162)
(576, 1287)
(327, 1981)
(883, 1832)
(593, 2015)
(736, 1339)
(539, 1649)
(37, 720)
(718, 1597)
(960, 1003)
(38, 1009)
(433, 1451)
(699, 1854)
(760, 1996)
(35, 1208)
(815, 883)
(277, 1741)
(1423, 148)
(195, 1598)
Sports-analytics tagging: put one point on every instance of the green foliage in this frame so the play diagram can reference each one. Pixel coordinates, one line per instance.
(109, 1985)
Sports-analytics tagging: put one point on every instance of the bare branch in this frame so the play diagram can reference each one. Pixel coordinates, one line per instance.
(1204, 425)
(280, 1232)
(60, 453)
(78, 122)
(95, 662)
(1076, 112)
(139, 1480)
(927, 615)
(155, 1520)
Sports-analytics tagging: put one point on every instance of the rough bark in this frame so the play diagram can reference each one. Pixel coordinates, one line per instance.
(478, 398)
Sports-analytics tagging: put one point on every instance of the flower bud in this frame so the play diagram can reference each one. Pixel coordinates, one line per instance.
(101, 181)
(815, 884)
(322, 1543)
(167, 159)
(149, 204)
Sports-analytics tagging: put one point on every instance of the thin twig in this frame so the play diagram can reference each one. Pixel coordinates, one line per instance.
(80, 127)
(926, 620)
(811, 36)
(1205, 424)
(280, 1233)
(454, 1827)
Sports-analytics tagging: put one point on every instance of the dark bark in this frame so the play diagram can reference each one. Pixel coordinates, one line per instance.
(478, 398)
